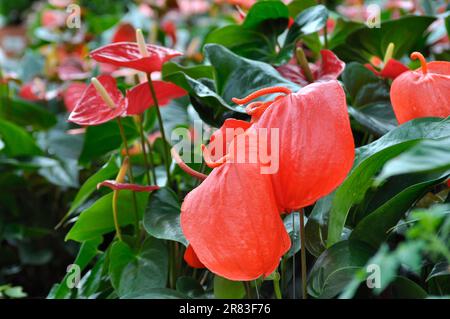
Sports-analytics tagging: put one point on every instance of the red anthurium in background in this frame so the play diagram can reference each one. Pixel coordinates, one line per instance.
(102, 101)
(128, 55)
(424, 92)
(316, 143)
(73, 94)
(125, 32)
(140, 98)
(329, 67)
(389, 68)
(33, 91)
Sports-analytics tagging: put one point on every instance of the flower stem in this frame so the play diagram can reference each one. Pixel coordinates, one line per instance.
(144, 151)
(161, 128)
(276, 287)
(303, 253)
(152, 164)
(115, 215)
(303, 62)
(130, 174)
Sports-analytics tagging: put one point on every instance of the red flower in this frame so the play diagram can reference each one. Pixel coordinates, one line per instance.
(422, 93)
(329, 67)
(73, 94)
(191, 258)
(128, 55)
(33, 91)
(233, 224)
(392, 69)
(140, 98)
(117, 186)
(124, 33)
(316, 148)
(92, 109)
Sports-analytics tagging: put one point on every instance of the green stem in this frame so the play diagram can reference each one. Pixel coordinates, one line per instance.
(303, 253)
(116, 215)
(161, 128)
(144, 151)
(130, 174)
(325, 36)
(276, 287)
(152, 164)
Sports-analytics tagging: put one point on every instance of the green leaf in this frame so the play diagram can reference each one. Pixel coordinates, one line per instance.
(190, 287)
(25, 113)
(292, 225)
(342, 30)
(310, 20)
(162, 216)
(256, 37)
(227, 289)
(370, 159)
(426, 156)
(102, 139)
(406, 33)
(155, 293)
(404, 288)
(234, 77)
(98, 219)
(88, 250)
(369, 99)
(120, 255)
(109, 170)
(147, 270)
(336, 267)
(297, 6)
(316, 227)
(374, 228)
(17, 141)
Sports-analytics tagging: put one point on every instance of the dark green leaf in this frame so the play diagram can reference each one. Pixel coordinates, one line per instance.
(227, 289)
(17, 141)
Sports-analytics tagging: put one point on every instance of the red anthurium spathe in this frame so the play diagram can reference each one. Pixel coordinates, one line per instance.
(118, 186)
(73, 94)
(424, 92)
(128, 54)
(191, 258)
(102, 101)
(140, 97)
(316, 148)
(392, 69)
(233, 224)
(329, 67)
(125, 32)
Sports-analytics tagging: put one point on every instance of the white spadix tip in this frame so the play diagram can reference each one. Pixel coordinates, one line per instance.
(141, 43)
(103, 93)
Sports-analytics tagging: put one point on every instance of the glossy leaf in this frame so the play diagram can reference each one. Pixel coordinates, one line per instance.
(227, 289)
(16, 141)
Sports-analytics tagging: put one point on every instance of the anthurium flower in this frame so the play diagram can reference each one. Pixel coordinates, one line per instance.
(140, 98)
(34, 90)
(73, 94)
(329, 67)
(102, 101)
(232, 222)
(190, 257)
(316, 148)
(118, 186)
(125, 32)
(422, 93)
(127, 54)
(389, 67)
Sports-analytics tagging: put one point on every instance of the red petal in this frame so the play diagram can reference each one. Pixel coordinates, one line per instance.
(415, 95)
(372, 68)
(191, 258)
(125, 186)
(124, 33)
(220, 140)
(392, 69)
(126, 54)
(33, 91)
(140, 98)
(316, 144)
(232, 222)
(92, 110)
(72, 69)
(73, 94)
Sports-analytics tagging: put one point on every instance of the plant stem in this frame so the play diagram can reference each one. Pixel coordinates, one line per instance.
(144, 150)
(276, 287)
(325, 36)
(130, 174)
(303, 253)
(152, 164)
(116, 216)
(161, 128)
(303, 62)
